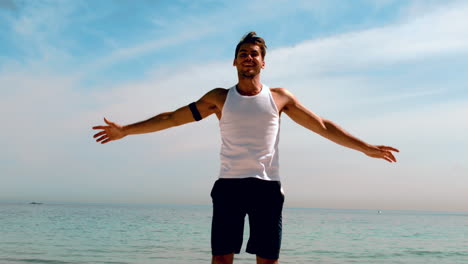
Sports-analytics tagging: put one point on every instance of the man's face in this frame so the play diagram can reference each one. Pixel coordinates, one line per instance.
(249, 61)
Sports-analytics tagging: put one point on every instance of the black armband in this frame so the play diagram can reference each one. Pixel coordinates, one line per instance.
(196, 115)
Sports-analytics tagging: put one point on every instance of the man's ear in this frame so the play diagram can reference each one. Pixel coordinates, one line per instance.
(234, 62)
(263, 65)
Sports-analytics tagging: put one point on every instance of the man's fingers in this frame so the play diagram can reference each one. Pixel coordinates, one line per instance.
(104, 135)
(100, 127)
(389, 148)
(102, 138)
(108, 122)
(99, 134)
(389, 156)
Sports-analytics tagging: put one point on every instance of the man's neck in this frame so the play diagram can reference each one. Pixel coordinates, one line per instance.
(249, 86)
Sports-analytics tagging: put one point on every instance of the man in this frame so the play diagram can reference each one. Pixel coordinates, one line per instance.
(249, 182)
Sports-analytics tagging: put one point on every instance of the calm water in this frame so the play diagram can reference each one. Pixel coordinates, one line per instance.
(54, 233)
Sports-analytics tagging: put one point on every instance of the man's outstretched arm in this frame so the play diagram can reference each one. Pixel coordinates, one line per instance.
(202, 108)
(326, 128)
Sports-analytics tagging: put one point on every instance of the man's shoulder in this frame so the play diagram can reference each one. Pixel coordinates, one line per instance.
(216, 95)
(218, 92)
(283, 97)
(280, 91)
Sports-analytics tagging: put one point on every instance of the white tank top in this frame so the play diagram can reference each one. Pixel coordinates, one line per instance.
(250, 135)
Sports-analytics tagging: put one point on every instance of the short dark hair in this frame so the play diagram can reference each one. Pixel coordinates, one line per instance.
(252, 38)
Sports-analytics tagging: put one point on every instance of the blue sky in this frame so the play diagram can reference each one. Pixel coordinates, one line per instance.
(389, 72)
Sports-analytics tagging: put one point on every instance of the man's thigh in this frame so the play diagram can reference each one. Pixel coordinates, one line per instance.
(265, 220)
(227, 226)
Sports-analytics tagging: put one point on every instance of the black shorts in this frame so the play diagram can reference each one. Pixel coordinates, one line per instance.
(262, 201)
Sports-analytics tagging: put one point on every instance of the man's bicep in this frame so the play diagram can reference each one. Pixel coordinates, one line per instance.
(211, 102)
(182, 116)
(205, 108)
(304, 117)
(208, 104)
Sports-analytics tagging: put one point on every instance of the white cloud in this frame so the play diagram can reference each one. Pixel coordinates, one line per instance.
(441, 32)
(50, 117)
(38, 27)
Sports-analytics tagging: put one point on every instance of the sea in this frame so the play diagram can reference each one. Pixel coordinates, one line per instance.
(64, 233)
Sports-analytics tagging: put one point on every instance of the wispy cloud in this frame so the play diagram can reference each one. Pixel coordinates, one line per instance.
(50, 112)
(440, 32)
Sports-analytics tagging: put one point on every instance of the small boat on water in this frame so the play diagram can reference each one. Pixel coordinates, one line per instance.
(36, 203)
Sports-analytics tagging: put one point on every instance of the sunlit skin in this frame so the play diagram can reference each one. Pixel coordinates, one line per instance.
(249, 63)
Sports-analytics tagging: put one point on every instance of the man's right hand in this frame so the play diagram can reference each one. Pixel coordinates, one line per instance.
(112, 131)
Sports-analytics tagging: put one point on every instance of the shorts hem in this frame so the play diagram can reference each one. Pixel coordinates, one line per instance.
(265, 256)
(226, 252)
